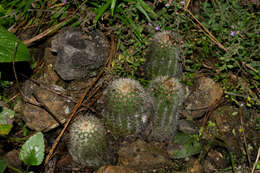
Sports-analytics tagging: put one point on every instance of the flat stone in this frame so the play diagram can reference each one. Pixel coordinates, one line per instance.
(204, 95)
(36, 117)
(12, 158)
(187, 127)
(140, 155)
(115, 169)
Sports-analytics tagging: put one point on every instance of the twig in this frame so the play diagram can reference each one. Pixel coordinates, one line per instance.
(256, 160)
(250, 67)
(238, 95)
(210, 110)
(244, 136)
(211, 36)
(112, 52)
(15, 75)
(187, 3)
(44, 33)
(51, 29)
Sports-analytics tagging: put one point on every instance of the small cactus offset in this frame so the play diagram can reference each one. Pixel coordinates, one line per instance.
(88, 142)
(163, 56)
(168, 95)
(127, 108)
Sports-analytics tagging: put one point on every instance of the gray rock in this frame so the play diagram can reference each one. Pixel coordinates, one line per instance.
(142, 156)
(38, 118)
(204, 95)
(79, 55)
(187, 127)
(12, 158)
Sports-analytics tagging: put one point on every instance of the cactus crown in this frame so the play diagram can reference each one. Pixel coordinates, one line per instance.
(124, 94)
(166, 88)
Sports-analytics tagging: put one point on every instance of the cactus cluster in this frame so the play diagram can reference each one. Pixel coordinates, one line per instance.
(131, 111)
(163, 56)
(167, 93)
(89, 143)
(127, 108)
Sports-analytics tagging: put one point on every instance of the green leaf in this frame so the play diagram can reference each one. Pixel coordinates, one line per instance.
(3, 165)
(258, 165)
(32, 152)
(7, 45)
(6, 120)
(113, 5)
(187, 145)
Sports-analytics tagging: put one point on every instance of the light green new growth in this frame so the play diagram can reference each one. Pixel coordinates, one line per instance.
(127, 108)
(88, 142)
(168, 95)
(163, 56)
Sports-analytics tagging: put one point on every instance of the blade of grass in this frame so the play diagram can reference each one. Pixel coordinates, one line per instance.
(129, 22)
(147, 8)
(113, 5)
(101, 10)
(140, 8)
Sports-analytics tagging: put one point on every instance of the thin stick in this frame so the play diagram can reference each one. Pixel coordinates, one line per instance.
(51, 29)
(244, 136)
(186, 5)
(256, 161)
(15, 75)
(112, 52)
(211, 36)
(238, 95)
(44, 33)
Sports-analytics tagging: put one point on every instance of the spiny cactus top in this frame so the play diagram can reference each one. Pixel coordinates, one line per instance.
(168, 95)
(163, 56)
(88, 143)
(127, 108)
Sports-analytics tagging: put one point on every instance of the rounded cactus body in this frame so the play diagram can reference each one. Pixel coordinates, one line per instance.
(163, 56)
(88, 142)
(168, 95)
(127, 108)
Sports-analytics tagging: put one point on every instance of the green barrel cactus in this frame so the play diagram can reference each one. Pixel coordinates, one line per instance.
(88, 142)
(127, 108)
(163, 56)
(168, 95)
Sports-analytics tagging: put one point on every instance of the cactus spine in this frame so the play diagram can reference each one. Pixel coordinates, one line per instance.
(163, 56)
(127, 108)
(168, 96)
(88, 143)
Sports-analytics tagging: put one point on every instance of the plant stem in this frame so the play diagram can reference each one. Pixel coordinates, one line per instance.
(14, 169)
